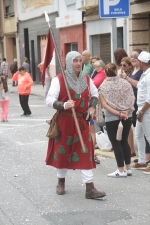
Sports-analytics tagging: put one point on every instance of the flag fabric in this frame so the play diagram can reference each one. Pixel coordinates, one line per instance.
(48, 56)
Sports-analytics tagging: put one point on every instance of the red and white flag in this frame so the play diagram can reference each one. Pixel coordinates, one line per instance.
(48, 56)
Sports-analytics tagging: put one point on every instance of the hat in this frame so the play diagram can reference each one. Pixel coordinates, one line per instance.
(144, 57)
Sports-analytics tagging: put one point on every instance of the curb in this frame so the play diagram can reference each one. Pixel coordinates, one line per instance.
(105, 153)
(109, 154)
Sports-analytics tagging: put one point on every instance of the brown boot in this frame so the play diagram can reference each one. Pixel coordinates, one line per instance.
(92, 192)
(60, 189)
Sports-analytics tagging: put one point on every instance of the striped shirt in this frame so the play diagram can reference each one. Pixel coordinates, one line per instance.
(4, 68)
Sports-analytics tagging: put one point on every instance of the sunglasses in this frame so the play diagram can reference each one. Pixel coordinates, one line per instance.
(124, 65)
(135, 57)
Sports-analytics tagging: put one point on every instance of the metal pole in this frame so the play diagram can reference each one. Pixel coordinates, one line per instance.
(68, 93)
(114, 36)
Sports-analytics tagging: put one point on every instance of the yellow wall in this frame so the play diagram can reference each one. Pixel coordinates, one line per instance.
(26, 5)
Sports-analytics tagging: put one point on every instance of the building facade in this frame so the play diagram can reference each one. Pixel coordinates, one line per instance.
(33, 30)
(72, 29)
(139, 25)
(100, 32)
(76, 26)
(9, 38)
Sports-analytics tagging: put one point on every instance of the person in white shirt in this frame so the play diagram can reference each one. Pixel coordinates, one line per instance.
(143, 113)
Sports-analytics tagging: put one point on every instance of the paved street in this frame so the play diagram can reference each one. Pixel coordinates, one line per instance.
(27, 185)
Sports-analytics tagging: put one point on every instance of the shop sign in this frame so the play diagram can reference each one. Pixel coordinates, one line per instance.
(114, 8)
(71, 19)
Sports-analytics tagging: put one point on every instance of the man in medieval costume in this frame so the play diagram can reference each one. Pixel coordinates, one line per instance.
(65, 151)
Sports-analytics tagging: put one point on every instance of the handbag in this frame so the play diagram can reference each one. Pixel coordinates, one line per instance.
(119, 132)
(53, 130)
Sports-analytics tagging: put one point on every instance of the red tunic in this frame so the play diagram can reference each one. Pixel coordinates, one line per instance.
(66, 151)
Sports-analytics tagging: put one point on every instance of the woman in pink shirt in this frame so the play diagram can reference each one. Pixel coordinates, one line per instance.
(24, 88)
(97, 80)
(100, 76)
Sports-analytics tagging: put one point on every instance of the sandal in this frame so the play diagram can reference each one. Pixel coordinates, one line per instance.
(133, 154)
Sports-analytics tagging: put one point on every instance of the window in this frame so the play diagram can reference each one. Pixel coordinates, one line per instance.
(7, 9)
(119, 37)
(72, 47)
(101, 46)
(8, 12)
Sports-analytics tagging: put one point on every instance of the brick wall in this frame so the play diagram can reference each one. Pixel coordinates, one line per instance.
(139, 32)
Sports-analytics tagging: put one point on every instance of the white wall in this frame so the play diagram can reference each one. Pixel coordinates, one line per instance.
(103, 26)
(32, 12)
(63, 9)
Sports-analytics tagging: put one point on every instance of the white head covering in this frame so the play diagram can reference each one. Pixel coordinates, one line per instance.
(78, 84)
(144, 57)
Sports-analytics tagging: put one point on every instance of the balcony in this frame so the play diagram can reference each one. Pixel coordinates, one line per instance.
(90, 10)
(10, 25)
(91, 3)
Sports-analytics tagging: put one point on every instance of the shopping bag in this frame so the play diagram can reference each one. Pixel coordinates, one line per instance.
(119, 132)
(103, 141)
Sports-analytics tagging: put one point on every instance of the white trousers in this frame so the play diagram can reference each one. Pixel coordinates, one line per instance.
(141, 129)
(87, 175)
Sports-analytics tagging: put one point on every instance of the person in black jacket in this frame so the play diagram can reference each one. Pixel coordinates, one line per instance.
(14, 69)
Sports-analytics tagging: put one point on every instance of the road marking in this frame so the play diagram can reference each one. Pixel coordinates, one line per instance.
(44, 106)
(28, 119)
(31, 143)
(11, 126)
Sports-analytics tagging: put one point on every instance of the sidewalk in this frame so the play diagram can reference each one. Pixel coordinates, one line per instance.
(38, 90)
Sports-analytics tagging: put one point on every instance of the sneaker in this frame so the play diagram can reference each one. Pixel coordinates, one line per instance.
(27, 115)
(147, 171)
(118, 174)
(129, 172)
(135, 160)
(22, 114)
(139, 166)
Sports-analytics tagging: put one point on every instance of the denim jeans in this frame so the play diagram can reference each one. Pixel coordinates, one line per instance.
(141, 129)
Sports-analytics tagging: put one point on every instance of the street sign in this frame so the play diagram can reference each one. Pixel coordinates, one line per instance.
(114, 8)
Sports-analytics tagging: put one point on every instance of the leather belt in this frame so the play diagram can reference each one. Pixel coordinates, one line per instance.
(71, 114)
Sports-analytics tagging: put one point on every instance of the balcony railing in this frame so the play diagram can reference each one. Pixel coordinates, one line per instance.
(7, 15)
